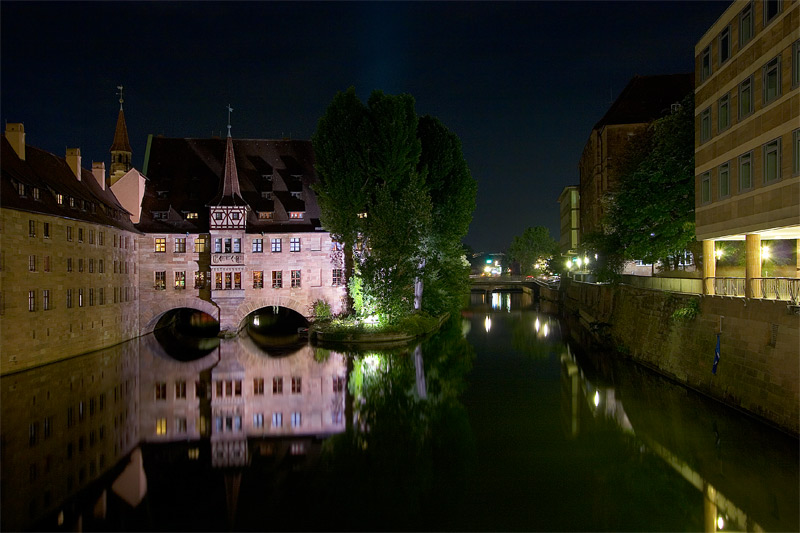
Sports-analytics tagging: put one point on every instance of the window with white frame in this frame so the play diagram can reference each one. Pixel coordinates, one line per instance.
(160, 245)
(746, 171)
(705, 125)
(338, 277)
(180, 280)
(258, 420)
(200, 243)
(772, 161)
(294, 244)
(295, 279)
(297, 419)
(277, 420)
(180, 245)
(705, 63)
(31, 300)
(724, 179)
(771, 10)
(276, 245)
(705, 187)
(46, 299)
(258, 246)
(277, 279)
(160, 280)
(724, 113)
(771, 75)
(258, 279)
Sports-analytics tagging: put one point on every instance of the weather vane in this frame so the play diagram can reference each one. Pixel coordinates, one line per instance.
(230, 109)
(120, 96)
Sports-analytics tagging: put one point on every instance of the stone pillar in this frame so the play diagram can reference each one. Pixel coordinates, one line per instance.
(752, 269)
(709, 508)
(709, 266)
(797, 260)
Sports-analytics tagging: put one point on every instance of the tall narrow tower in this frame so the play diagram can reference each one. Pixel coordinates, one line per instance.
(121, 147)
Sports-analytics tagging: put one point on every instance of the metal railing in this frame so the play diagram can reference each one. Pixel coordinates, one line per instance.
(779, 289)
(728, 286)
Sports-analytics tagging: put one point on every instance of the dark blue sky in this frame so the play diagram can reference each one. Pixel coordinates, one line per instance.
(521, 83)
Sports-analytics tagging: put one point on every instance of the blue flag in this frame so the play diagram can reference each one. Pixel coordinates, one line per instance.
(716, 357)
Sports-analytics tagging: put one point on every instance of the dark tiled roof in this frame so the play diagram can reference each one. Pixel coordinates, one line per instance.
(52, 175)
(647, 98)
(186, 176)
(121, 142)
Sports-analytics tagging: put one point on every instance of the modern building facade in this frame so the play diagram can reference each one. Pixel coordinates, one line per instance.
(747, 135)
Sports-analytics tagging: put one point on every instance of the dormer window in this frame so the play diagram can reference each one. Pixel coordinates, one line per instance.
(267, 177)
(191, 216)
(160, 215)
(59, 198)
(36, 193)
(297, 194)
(72, 202)
(265, 215)
(295, 215)
(267, 195)
(234, 216)
(21, 189)
(162, 195)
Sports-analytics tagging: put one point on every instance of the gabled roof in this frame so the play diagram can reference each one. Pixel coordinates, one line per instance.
(184, 176)
(647, 98)
(52, 175)
(121, 142)
(229, 193)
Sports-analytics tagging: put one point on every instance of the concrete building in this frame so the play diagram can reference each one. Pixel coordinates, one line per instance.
(747, 138)
(643, 100)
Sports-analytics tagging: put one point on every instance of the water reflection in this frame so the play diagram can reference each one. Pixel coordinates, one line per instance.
(495, 423)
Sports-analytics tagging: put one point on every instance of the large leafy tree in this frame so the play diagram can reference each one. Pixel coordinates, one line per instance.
(651, 217)
(533, 246)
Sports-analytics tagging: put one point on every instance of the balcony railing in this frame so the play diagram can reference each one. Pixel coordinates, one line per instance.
(779, 289)
(728, 286)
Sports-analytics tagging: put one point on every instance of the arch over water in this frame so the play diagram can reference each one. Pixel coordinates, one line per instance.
(254, 304)
(152, 314)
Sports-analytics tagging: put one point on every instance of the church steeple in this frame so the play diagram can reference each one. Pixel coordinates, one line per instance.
(228, 208)
(121, 147)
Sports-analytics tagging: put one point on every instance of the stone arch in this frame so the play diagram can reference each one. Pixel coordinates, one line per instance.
(152, 313)
(254, 304)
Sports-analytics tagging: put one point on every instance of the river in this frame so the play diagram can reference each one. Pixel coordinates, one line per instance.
(496, 423)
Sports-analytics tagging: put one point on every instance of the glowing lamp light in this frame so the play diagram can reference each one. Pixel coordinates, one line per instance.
(488, 261)
(765, 252)
(536, 325)
(719, 252)
(546, 330)
(596, 398)
(578, 261)
(487, 323)
(585, 260)
(720, 522)
(256, 320)
(568, 264)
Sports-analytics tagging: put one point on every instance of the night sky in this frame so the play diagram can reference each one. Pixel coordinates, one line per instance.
(522, 84)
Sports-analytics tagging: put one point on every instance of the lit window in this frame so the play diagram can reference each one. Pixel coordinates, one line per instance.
(161, 280)
(258, 420)
(724, 177)
(59, 199)
(276, 245)
(277, 279)
(296, 419)
(200, 243)
(705, 187)
(265, 215)
(80, 297)
(258, 279)
(746, 171)
(294, 244)
(277, 420)
(32, 228)
(277, 385)
(746, 26)
(218, 280)
(161, 426)
(21, 189)
(772, 161)
(36, 193)
(32, 263)
(723, 113)
(180, 390)
(258, 246)
(191, 216)
(296, 215)
(771, 75)
(705, 125)
(161, 245)
(46, 299)
(31, 300)
(180, 245)
(180, 280)
(295, 278)
(705, 63)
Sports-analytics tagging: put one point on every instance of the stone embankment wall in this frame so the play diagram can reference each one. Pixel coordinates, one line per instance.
(759, 366)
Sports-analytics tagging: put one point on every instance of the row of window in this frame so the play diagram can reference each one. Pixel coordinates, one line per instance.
(120, 267)
(744, 164)
(771, 90)
(233, 280)
(233, 422)
(78, 233)
(74, 203)
(746, 27)
(227, 246)
(79, 297)
(233, 388)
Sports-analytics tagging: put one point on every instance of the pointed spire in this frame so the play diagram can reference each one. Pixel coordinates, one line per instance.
(121, 142)
(229, 193)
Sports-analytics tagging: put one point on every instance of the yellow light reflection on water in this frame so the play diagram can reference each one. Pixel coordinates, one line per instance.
(487, 323)
(537, 325)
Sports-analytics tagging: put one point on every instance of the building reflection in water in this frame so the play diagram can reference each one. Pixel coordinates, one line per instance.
(588, 400)
(71, 430)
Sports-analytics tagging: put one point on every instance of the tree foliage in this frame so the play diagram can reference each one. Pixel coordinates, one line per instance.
(651, 216)
(534, 245)
(408, 175)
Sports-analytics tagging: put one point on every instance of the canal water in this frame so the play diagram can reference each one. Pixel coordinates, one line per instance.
(496, 423)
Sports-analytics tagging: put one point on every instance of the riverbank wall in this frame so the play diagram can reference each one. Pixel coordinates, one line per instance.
(759, 365)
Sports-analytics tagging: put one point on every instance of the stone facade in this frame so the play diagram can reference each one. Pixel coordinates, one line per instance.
(569, 208)
(747, 107)
(758, 371)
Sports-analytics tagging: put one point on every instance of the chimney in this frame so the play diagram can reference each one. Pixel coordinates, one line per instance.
(74, 161)
(99, 173)
(15, 133)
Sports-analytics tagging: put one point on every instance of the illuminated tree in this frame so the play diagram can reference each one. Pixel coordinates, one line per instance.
(534, 247)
